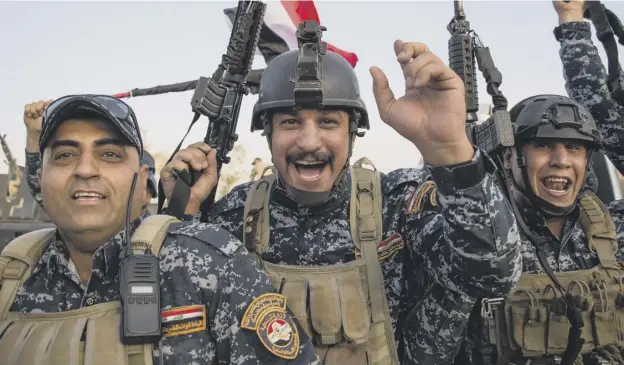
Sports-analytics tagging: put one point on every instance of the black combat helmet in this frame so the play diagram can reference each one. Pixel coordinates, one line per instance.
(552, 117)
(335, 82)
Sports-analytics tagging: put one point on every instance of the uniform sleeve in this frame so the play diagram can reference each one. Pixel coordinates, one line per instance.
(243, 288)
(33, 163)
(241, 285)
(586, 82)
(424, 342)
(470, 243)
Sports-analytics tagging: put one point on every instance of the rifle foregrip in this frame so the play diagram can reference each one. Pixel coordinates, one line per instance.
(461, 61)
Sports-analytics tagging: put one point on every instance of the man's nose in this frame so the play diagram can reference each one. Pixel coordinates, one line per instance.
(309, 137)
(559, 156)
(86, 167)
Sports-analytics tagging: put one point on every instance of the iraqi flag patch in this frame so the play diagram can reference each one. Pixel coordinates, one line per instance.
(268, 317)
(183, 320)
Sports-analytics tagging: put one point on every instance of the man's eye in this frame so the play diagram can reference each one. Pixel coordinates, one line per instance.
(329, 121)
(288, 121)
(63, 155)
(111, 155)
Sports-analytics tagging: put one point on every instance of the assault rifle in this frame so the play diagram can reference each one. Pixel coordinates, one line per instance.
(219, 98)
(10, 160)
(466, 51)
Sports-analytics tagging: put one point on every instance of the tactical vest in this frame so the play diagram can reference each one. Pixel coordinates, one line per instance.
(55, 338)
(531, 321)
(342, 307)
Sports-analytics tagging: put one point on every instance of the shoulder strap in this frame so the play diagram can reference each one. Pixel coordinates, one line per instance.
(151, 233)
(366, 231)
(256, 230)
(16, 263)
(599, 230)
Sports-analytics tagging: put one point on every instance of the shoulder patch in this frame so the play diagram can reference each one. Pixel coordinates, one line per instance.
(274, 326)
(425, 196)
(211, 234)
(389, 246)
(183, 320)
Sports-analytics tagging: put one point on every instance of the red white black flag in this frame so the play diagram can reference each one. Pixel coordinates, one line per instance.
(281, 21)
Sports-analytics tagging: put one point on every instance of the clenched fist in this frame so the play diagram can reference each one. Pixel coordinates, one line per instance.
(33, 113)
(570, 10)
(200, 157)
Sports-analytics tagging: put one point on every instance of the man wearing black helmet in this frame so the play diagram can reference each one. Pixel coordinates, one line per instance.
(344, 243)
(566, 308)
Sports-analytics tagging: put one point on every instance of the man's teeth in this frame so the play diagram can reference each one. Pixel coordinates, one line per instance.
(87, 195)
(309, 163)
(557, 183)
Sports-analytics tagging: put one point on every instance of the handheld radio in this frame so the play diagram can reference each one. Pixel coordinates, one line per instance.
(139, 278)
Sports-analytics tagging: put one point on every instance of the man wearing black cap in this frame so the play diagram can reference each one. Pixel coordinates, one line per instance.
(33, 113)
(65, 292)
(152, 186)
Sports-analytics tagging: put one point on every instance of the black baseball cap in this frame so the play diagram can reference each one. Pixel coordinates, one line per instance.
(151, 178)
(108, 107)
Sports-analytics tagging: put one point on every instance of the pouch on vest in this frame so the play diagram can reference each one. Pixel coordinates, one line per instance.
(55, 338)
(532, 323)
(343, 307)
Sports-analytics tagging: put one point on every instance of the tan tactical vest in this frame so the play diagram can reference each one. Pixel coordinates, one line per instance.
(531, 322)
(55, 338)
(342, 307)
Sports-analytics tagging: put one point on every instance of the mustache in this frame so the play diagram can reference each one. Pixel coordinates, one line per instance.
(327, 158)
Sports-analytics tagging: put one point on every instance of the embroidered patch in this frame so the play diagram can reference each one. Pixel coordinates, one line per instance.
(140, 245)
(267, 316)
(183, 320)
(426, 193)
(259, 305)
(389, 246)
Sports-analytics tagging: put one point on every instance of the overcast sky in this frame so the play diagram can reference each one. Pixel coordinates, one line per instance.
(50, 49)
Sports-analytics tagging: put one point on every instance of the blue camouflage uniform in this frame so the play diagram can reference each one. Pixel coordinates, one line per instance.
(586, 83)
(462, 239)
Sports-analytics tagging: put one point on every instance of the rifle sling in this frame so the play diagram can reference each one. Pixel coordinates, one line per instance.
(182, 190)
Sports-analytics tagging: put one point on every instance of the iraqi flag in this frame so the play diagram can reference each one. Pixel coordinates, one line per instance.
(279, 33)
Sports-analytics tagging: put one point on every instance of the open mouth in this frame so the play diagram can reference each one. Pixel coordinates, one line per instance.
(557, 185)
(87, 196)
(310, 170)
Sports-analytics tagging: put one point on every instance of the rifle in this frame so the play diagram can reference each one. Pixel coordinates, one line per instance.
(608, 25)
(466, 50)
(11, 161)
(219, 98)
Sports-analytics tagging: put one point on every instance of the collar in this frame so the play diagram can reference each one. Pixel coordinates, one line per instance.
(106, 258)
(340, 193)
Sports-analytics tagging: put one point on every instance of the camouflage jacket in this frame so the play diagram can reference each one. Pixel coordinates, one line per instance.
(586, 82)
(467, 245)
(201, 265)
